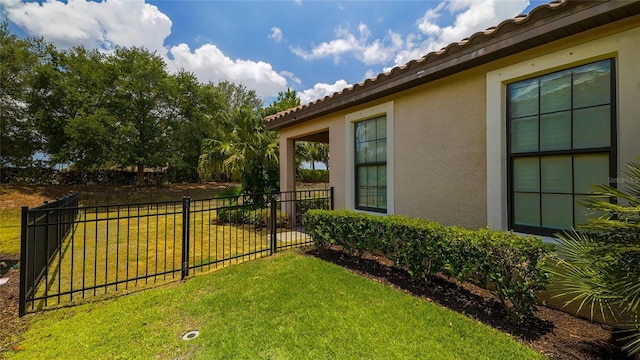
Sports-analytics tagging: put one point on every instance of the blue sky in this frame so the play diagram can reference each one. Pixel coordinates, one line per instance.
(313, 47)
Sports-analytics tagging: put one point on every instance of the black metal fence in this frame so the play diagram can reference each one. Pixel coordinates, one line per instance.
(43, 230)
(117, 248)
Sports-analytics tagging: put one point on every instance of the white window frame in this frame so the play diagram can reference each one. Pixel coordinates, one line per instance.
(496, 116)
(350, 120)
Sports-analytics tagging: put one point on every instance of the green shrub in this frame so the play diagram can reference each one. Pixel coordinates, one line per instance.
(229, 191)
(246, 215)
(304, 205)
(313, 176)
(507, 264)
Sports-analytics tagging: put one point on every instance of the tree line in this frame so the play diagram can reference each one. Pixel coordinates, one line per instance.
(90, 110)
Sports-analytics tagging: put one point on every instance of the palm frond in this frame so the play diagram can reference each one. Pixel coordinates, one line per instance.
(599, 267)
(632, 341)
(581, 273)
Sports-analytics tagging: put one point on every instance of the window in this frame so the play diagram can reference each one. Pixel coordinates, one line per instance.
(561, 138)
(369, 174)
(371, 164)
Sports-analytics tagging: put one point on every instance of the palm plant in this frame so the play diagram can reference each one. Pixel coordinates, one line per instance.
(598, 265)
(313, 152)
(243, 150)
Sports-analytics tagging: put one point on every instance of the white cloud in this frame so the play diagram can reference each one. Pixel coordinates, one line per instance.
(276, 34)
(346, 43)
(380, 51)
(291, 76)
(470, 16)
(210, 64)
(426, 24)
(91, 24)
(478, 15)
(371, 74)
(321, 90)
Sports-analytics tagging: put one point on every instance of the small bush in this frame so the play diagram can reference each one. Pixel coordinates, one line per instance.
(509, 265)
(245, 215)
(313, 176)
(304, 205)
(229, 191)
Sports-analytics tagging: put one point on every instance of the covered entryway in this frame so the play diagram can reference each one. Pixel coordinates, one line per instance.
(288, 164)
(288, 167)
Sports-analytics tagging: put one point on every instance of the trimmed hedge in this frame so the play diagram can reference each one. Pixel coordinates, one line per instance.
(313, 176)
(244, 215)
(507, 264)
(304, 205)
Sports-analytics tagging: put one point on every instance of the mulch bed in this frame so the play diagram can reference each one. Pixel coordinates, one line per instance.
(554, 333)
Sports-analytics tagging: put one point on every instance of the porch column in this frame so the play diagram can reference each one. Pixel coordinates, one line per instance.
(288, 178)
(287, 164)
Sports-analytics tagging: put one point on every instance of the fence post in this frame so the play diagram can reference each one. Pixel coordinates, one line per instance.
(59, 230)
(186, 204)
(272, 223)
(22, 303)
(331, 194)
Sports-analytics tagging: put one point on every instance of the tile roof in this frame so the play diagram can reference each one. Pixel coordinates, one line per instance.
(545, 23)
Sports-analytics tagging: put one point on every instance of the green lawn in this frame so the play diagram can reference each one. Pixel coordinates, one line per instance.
(283, 307)
(107, 247)
(10, 231)
(10, 218)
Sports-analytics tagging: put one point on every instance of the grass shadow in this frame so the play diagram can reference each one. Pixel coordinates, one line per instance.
(469, 300)
(550, 337)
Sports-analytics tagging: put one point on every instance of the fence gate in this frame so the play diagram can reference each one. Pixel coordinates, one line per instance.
(71, 252)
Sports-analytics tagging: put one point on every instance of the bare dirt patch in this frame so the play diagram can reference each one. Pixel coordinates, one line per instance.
(10, 325)
(13, 196)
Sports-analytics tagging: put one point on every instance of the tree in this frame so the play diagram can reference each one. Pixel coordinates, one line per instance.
(241, 149)
(222, 101)
(103, 111)
(89, 126)
(191, 106)
(48, 103)
(91, 110)
(232, 96)
(599, 264)
(313, 152)
(19, 138)
(245, 151)
(70, 96)
(140, 108)
(285, 100)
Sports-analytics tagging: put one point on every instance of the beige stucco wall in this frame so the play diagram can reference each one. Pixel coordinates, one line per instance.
(440, 151)
(449, 135)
